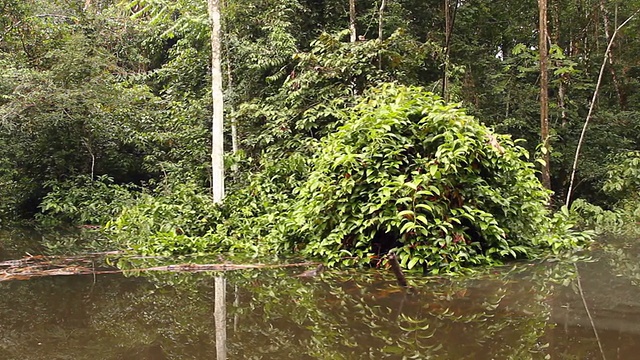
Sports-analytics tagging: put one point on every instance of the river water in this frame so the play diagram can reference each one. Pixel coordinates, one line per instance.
(521, 311)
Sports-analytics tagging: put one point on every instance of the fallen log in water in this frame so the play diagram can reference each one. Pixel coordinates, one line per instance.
(221, 267)
(42, 259)
(40, 266)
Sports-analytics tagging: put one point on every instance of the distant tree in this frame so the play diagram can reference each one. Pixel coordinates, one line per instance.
(352, 21)
(544, 94)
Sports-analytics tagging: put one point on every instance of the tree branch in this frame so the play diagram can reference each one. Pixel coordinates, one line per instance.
(592, 105)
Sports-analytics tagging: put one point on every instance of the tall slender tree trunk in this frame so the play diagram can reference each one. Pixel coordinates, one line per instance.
(449, 22)
(445, 66)
(352, 21)
(544, 94)
(235, 146)
(383, 5)
(234, 128)
(564, 78)
(217, 137)
(614, 75)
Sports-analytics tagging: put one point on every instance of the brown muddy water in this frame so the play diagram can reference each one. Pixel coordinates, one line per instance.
(520, 311)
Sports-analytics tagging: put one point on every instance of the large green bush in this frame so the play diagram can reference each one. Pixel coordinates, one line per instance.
(409, 173)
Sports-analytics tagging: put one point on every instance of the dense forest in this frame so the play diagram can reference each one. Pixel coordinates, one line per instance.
(450, 132)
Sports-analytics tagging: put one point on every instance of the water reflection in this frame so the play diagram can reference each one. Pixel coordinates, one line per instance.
(220, 315)
(15, 243)
(519, 312)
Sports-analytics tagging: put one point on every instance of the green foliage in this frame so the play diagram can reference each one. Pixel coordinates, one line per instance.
(450, 191)
(174, 146)
(404, 166)
(175, 220)
(325, 80)
(590, 216)
(260, 208)
(81, 200)
(9, 187)
(122, 88)
(65, 111)
(623, 178)
(622, 183)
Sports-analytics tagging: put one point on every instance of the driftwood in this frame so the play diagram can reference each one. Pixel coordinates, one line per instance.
(39, 266)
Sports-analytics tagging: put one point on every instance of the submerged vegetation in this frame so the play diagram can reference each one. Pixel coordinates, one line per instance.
(337, 147)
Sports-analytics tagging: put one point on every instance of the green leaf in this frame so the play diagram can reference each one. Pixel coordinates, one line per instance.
(422, 219)
(414, 260)
(433, 170)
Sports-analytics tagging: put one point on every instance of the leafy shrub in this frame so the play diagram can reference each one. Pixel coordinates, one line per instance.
(623, 177)
(410, 173)
(81, 200)
(622, 183)
(173, 221)
(181, 218)
(256, 209)
(590, 216)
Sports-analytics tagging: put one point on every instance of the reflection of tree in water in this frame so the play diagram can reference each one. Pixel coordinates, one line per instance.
(610, 290)
(366, 318)
(15, 242)
(272, 314)
(113, 318)
(623, 256)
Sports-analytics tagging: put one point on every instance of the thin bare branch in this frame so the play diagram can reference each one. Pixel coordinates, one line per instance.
(592, 105)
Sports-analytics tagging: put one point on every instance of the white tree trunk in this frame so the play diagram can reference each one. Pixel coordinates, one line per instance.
(383, 4)
(217, 138)
(352, 20)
